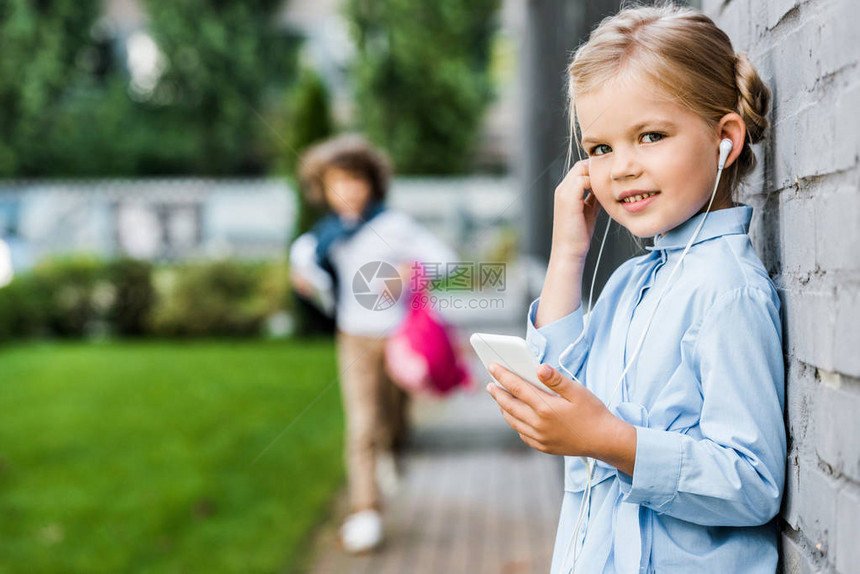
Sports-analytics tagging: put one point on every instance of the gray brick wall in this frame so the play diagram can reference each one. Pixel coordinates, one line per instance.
(806, 228)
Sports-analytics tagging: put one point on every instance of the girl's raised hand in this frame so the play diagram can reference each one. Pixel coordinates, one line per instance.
(573, 217)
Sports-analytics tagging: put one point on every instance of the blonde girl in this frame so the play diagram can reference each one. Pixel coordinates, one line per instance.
(671, 388)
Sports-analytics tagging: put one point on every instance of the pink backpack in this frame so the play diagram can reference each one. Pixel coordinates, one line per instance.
(422, 355)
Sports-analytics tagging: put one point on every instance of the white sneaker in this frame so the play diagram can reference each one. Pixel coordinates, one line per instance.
(361, 531)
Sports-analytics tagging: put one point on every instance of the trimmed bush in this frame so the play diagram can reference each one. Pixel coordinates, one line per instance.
(74, 292)
(134, 296)
(84, 297)
(222, 298)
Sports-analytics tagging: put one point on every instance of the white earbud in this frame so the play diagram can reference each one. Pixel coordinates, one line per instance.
(725, 149)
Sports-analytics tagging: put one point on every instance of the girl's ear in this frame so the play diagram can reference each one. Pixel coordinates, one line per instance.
(731, 126)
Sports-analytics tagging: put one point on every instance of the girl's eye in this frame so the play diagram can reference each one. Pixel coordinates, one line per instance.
(597, 147)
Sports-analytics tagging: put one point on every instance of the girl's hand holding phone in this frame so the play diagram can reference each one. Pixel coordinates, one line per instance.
(574, 423)
(573, 216)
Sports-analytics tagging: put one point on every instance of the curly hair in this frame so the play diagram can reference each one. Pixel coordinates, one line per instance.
(349, 152)
(689, 59)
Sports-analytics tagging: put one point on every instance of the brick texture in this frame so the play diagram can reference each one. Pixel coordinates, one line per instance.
(807, 232)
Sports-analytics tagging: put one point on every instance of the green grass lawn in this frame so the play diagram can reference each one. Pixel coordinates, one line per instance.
(139, 457)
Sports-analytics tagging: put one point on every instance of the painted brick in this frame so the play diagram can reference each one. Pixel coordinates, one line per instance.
(795, 558)
(837, 426)
(807, 52)
(810, 326)
(793, 56)
(810, 504)
(837, 230)
(847, 527)
(764, 230)
(736, 18)
(784, 133)
(798, 230)
(847, 111)
(834, 52)
(819, 125)
(847, 352)
(807, 112)
(776, 9)
(801, 387)
(755, 184)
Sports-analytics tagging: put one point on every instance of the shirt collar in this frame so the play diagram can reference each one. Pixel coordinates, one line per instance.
(729, 221)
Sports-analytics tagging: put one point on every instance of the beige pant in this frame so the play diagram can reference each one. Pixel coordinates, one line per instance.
(376, 413)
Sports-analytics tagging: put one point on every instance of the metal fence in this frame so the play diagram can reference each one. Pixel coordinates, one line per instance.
(193, 218)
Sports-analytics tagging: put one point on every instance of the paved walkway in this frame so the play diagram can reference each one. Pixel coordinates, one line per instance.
(473, 499)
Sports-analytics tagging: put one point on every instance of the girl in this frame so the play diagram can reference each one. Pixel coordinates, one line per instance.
(681, 431)
(341, 264)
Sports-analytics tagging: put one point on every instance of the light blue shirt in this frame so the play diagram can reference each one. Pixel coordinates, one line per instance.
(706, 397)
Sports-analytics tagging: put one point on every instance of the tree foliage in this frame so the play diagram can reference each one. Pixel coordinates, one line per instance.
(308, 121)
(421, 77)
(218, 59)
(39, 42)
(67, 107)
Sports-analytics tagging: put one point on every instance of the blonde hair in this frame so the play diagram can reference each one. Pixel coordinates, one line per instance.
(689, 59)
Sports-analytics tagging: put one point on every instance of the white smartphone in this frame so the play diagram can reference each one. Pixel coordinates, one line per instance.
(511, 352)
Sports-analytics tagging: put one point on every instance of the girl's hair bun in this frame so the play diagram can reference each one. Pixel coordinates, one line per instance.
(754, 98)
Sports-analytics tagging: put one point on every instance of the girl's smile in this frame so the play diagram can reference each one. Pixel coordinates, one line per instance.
(637, 200)
(640, 143)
